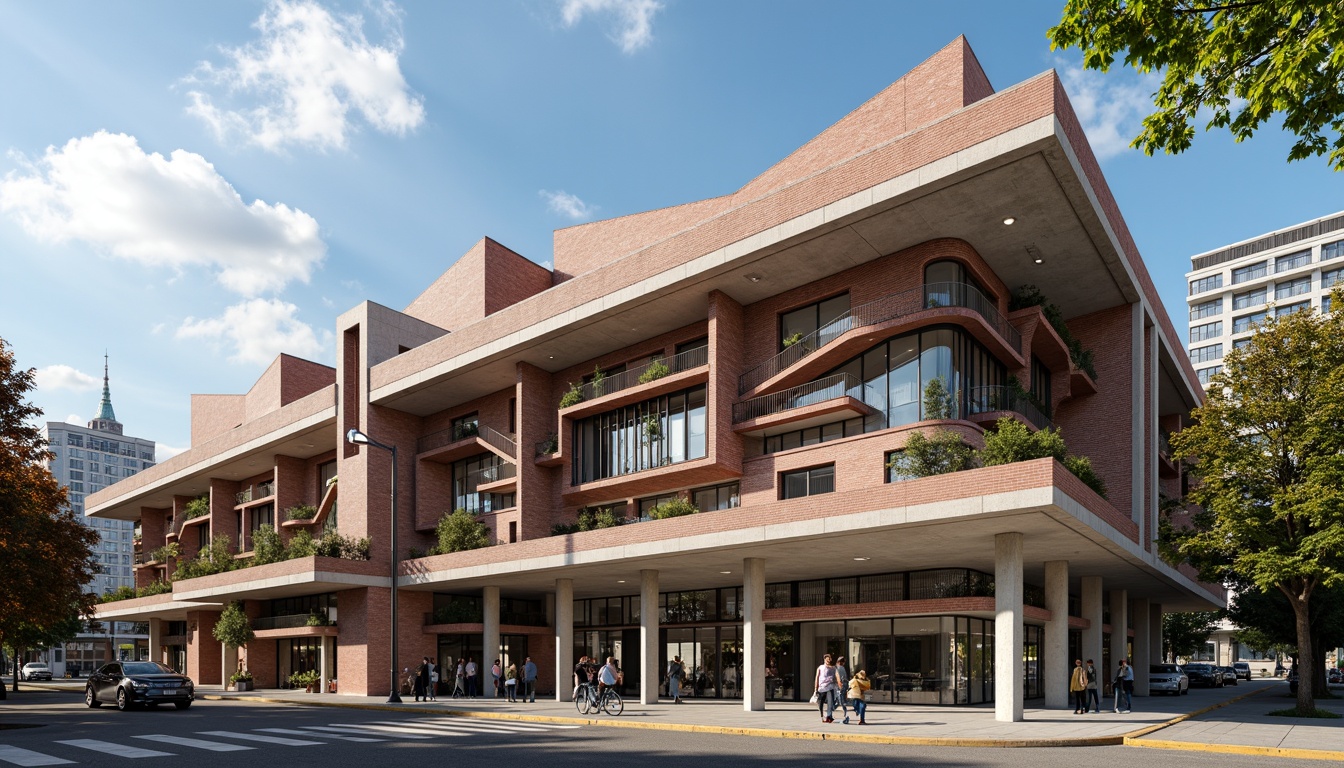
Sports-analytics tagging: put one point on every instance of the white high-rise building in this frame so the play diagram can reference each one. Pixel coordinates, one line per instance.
(88, 459)
(1232, 288)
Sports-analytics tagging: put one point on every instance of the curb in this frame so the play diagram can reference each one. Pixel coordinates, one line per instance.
(857, 738)
(1131, 738)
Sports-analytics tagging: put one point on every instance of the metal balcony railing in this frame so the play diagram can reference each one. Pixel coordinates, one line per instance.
(289, 621)
(444, 437)
(811, 393)
(493, 474)
(633, 377)
(929, 296)
(1001, 397)
(259, 491)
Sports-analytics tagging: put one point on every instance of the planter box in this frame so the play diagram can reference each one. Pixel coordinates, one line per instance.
(242, 685)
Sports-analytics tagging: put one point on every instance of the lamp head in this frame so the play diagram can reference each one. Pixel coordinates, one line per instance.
(355, 437)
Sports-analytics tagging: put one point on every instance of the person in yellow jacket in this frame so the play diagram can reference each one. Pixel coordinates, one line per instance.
(1078, 687)
(858, 685)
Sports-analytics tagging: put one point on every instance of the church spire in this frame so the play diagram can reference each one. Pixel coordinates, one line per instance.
(105, 407)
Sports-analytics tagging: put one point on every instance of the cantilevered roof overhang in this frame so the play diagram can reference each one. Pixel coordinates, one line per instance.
(954, 178)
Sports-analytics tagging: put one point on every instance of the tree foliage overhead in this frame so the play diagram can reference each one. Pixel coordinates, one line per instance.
(1241, 62)
(1267, 450)
(46, 554)
(1183, 634)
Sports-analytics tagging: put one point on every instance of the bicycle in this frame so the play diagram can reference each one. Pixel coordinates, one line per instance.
(589, 702)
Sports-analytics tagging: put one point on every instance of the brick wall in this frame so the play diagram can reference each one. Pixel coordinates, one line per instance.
(213, 415)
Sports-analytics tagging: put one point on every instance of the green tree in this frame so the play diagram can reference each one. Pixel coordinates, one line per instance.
(1183, 634)
(938, 402)
(215, 558)
(1267, 454)
(1267, 617)
(459, 532)
(1244, 62)
(924, 456)
(233, 628)
(46, 554)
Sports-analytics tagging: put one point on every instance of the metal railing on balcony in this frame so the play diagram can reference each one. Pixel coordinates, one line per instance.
(646, 373)
(887, 308)
(253, 492)
(1001, 397)
(494, 474)
(811, 393)
(458, 432)
(291, 621)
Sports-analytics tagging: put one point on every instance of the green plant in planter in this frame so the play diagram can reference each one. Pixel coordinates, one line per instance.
(656, 370)
(306, 679)
(301, 512)
(197, 507)
(653, 427)
(789, 341)
(675, 508)
(572, 397)
(241, 676)
(598, 378)
(318, 618)
(162, 554)
(550, 445)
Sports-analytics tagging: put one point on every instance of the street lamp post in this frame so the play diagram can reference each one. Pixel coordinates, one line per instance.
(355, 437)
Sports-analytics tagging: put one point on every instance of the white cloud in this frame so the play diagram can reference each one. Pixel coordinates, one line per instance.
(1110, 105)
(75, 418)
(64, 377)
(305, 75)
(164, 452)
(258, 330)
(170, 212)
(567, 205)
(634, 18)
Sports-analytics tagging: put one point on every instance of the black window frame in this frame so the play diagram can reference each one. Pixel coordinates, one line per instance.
(813, 475)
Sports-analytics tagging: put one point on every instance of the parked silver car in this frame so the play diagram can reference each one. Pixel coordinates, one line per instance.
(1168, 678)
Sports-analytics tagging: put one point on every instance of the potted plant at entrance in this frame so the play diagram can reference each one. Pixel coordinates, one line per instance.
(306, 680)
(241, 680)
(234, 630)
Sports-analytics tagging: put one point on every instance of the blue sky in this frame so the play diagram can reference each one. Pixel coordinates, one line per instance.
(195, 187)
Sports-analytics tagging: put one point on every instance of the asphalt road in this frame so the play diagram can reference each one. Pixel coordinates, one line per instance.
(245, 734)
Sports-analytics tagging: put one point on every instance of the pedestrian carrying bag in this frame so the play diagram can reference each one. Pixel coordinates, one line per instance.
(813, 700)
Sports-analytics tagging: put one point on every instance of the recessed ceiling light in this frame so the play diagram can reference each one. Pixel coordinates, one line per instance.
(550, 357)
(1008, 222)
(1038, 261)
(725, 572)
(620, 581)
(752, 277)
(861, 559)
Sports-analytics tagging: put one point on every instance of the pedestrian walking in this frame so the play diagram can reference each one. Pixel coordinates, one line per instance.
(422, 680)
(471, 678)
(1093, 696)
(511, 683)
(675, 672)
(1124, 687)
(433, 681)
(460, 679)
(497, 679)
(530, 680)
(858, 691)
(841, 686)
(826, 689)
(1078, 687)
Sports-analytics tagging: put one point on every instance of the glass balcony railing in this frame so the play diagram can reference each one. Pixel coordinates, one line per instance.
(646, 373)
(897, 305)
(811, 393)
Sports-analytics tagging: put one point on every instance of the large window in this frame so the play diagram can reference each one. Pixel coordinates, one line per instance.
(1206, 309)
(654, 433)
(812, 435)
(1206, 331)
(1288, 309)
(1292, 261)
(724, 496)
(1249, 299)
(802, 322)
(1292, 288)
(1328, 279)
(1206, 374)
(1249, 272)
(1206, 354)
(807, 482)
(1245, 322)
(1206, 284)
(1332, 250)
(261, 517)
(481, 469)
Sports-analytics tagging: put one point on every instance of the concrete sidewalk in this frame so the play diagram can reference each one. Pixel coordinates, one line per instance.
(1232, 720)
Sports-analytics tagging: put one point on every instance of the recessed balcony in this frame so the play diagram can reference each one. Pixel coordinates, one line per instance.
(990, 403)
(657, 377)
(463, 441)
(950, 302)
(840, 396)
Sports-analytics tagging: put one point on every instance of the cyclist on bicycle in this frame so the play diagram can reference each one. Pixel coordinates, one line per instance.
(581, 676)
(607, 676)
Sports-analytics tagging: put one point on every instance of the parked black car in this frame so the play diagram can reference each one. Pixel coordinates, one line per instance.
(1243, 670)
(1229, 675)
(132, 683)
(1204, 674)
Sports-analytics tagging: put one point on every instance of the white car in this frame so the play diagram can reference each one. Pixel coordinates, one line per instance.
(1168, 678)
(35, 670)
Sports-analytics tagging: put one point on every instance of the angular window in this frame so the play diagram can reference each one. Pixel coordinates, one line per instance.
(830, 317)
(807, 482)
(1249, 272)
(654, 433)
(1206, 309)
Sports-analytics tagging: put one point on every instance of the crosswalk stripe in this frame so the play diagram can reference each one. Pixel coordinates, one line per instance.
(116, 750)
(496, 725)
(27, 757)
(265, 739)
(356, 729)
(447, 730)
(406, 731)
(297, 732)
(472, 727)
(182, 741)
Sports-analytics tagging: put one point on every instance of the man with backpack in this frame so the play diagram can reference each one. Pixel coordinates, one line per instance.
(675, 672)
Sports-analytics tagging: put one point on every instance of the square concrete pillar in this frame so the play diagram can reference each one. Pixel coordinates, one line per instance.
(324, 654)
(648, 636)
(1008, 632)
(753, 634)
(156, 640)
(489, 638)
(1119, 628)
(564, 639)
(1055, 654)
(1091, 606)
(1155, 649)
(1142, 655)
(228, 663)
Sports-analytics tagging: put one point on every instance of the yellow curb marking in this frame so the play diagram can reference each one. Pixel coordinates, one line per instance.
(1236, 749)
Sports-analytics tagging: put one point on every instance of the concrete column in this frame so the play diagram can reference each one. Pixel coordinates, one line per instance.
(489, 639)
(564, 639)
(156, 640)
(1155, 632)
(1092, 635)
(648, 636)
(1055, 654)
(323, 664)
(1142, 657)
(753, 634)
(228, 662)
(1119, 627)
(1138, 491)
(1008, 680)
